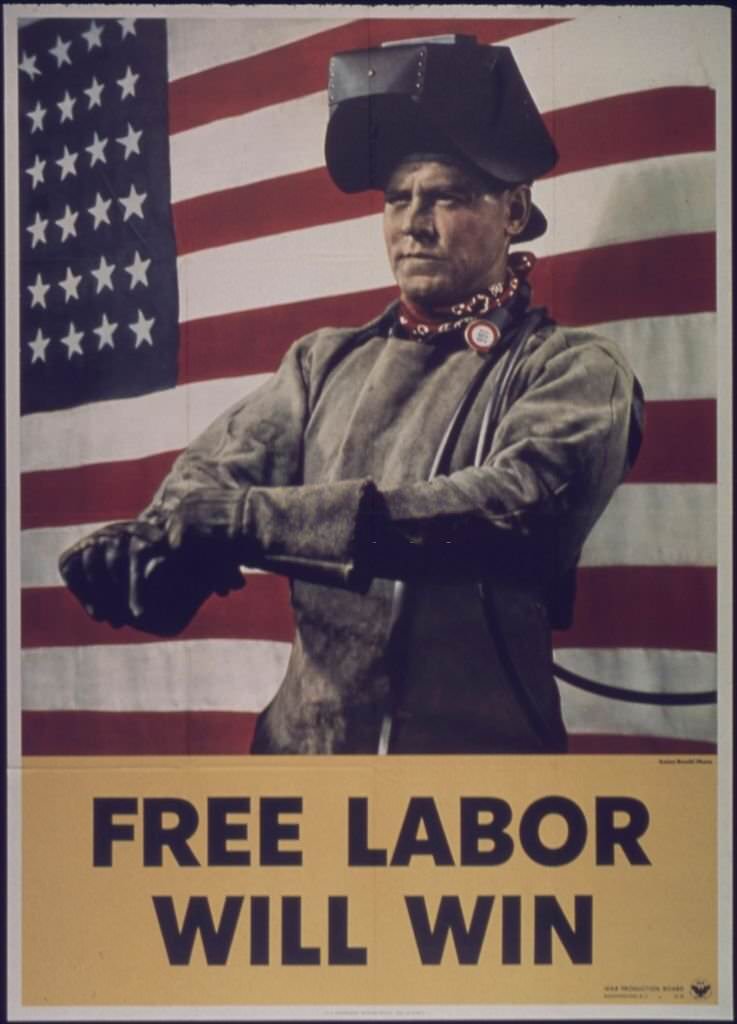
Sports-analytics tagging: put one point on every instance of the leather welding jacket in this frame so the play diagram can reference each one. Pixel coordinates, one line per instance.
(335, 451)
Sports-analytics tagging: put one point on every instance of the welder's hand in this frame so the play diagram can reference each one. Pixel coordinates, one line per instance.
(106, 569)
(126, 574)
(208, 523)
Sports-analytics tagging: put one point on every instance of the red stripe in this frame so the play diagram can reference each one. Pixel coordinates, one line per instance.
(617, 606)
(680, 443)
(636, 126)
(100, 492)
(297, 69)
(130, 733)
(107, 733)
(288, 203)
(611, 743)
(655, 277)
(679, 447)
(254, 341)
(669, 607)
(649, 124)
(52, 617)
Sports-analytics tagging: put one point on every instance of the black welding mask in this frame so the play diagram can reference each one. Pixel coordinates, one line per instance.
(448, 95)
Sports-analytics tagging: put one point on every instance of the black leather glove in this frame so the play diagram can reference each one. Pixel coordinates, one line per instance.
(105, 569)
(126, 574)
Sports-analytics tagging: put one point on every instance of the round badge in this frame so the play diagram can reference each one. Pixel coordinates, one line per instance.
(481, 335)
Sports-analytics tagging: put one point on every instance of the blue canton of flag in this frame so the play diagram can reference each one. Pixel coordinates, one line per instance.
(98, 263)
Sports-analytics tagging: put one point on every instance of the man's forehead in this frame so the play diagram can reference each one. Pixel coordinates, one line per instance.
(435, 169)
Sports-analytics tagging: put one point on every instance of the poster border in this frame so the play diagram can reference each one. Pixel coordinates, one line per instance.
(721, 1011)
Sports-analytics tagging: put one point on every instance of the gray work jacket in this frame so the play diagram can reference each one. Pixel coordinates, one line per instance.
(335, 450)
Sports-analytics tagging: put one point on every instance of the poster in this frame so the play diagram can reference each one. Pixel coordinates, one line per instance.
(157, 872)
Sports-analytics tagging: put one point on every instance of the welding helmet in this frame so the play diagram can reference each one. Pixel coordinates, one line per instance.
(448, 95)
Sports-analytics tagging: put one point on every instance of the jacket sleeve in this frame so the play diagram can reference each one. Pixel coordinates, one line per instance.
(256, 446)
(559, 451)
(258, 441)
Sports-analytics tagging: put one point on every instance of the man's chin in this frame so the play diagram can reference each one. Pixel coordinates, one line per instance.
(426, 294)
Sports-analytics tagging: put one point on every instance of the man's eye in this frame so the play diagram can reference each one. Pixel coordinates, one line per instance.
(395, 198)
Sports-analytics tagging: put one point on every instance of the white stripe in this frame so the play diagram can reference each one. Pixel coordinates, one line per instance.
(40, 550)
(279, 140)
(604, 51)
(655, 671)
(674, 357)
(232, 675)
(311, 263)
(609, 48)
(288, 137)
(629, 202)
(202, 675)
(196, 44)
(656, 524)
(128, 428)
(623, 203)
(645, 524)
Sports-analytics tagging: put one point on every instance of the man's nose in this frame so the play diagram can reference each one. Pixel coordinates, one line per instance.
(418, 219)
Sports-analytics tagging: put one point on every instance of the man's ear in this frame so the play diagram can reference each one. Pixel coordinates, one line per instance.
(519, 206)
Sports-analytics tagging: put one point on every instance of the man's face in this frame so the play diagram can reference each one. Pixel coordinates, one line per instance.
(446, 238)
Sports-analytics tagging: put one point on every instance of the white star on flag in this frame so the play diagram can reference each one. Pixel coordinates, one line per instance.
(127, 26)
(38, 292)
(105, 332)
(100, 211)
(37, 116)
(28, 64)
(128, 83)
(130, 141)
(67, 223)
(38, 346)
(70, 285)
(73, 341)
(133, 203)
(38, 230)
(97, 150)
(138, 271)
(66, 163)
(94, 93)
(142, 329)
(61, 52)
(92, 36)
(104, 275)
(66, 106)
(36, 171)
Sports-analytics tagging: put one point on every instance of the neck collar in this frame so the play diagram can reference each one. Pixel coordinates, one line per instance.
(477, 309)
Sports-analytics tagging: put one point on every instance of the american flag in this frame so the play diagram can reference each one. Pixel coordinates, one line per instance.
(178, 231)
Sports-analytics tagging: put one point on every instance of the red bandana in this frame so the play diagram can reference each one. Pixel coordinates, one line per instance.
(460, 314)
